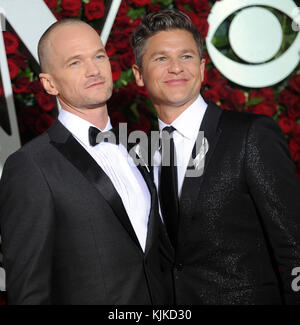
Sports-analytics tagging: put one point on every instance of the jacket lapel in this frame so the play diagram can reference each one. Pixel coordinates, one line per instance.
(153, 221)
(192, 185)
(69, 147)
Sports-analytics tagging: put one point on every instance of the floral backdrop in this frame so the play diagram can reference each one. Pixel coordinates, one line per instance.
(36, 110)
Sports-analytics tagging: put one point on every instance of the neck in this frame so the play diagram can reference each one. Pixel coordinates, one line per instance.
(97, 116)
(169, 114)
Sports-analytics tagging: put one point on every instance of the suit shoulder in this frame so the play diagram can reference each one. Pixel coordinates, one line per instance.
(35, 148)
(245, 120)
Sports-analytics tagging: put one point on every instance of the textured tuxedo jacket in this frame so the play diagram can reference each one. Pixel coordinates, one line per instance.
(239, 228)
(66, 236)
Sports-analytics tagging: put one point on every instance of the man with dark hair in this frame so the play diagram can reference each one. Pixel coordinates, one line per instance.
(235, 228)
(79, 223)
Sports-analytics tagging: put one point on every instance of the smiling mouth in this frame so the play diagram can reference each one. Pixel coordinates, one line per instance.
(174, 82)
(96, 84)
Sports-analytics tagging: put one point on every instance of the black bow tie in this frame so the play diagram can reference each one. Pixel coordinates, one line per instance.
(96, 136)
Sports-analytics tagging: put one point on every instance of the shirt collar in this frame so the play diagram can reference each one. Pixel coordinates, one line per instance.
(189, 121)
(78, 126)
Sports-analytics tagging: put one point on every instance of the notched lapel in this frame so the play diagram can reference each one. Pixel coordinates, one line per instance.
(192, 185)
(153, 222)
(67, 145)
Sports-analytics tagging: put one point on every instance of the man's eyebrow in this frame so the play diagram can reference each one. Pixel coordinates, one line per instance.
(78, 56)
(166, 52)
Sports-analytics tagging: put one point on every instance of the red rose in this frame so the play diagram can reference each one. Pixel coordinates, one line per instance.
(36, 87)
(137, 90)
(237, 97)
(266, 94)
(11, 42)
(115, 69)
(123, 9)
(201, 7)
(139, 3)
(1, 90)
(182, 2)
(294, 110)
(52, 4)
(13, 68)
(296, 132)
(264, 109)
(214, 79)
(154, 7)
(43, 122)
(287, 98)
(123, 96)
(126, 60)
(117, 117)
(69, 13)
(211, 94)
(29, 115)
(45, 101)
(212, 75)
(143, 124)
(206, 57)
(20, 60)
(122, 24)
(294, 83)
(94, 9)
(110, 49)
(71, 5)
(121, 41)
(227, 106)
(286, 124)
(201, 24)
(294, 145)
(58, 15)
(21, 85)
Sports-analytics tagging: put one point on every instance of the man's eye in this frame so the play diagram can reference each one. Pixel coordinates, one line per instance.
(187, 57)
(161, 59)
(100, 57)
(74, 63)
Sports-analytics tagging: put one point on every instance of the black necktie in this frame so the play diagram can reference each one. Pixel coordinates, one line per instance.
(168, 184)
(105, 136)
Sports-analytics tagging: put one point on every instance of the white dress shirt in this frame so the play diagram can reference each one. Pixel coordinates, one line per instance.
(119, 167)
(187, 126)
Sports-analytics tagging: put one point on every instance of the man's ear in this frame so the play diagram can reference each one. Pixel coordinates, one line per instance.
(48, 84)
(202, 69)
(138, 75)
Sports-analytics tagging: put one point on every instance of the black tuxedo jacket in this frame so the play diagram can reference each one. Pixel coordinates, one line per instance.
(239, 228)
(66, 237)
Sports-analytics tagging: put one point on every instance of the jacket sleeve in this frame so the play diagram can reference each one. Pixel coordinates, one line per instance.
(273, 184)
(27, 226)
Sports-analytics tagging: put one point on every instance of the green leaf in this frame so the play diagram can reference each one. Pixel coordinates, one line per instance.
(126, 77)
(136, 13)
(254, 101)
(163, 2)
(86, 1)
(134, 110)
(220, 41)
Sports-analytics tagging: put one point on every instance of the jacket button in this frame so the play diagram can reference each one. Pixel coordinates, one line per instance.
(179, 267)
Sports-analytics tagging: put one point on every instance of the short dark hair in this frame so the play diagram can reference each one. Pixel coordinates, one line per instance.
(44, 40)
(162, 21)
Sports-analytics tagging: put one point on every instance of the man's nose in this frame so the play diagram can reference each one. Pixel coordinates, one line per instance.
(92, 69)
(175, 66)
